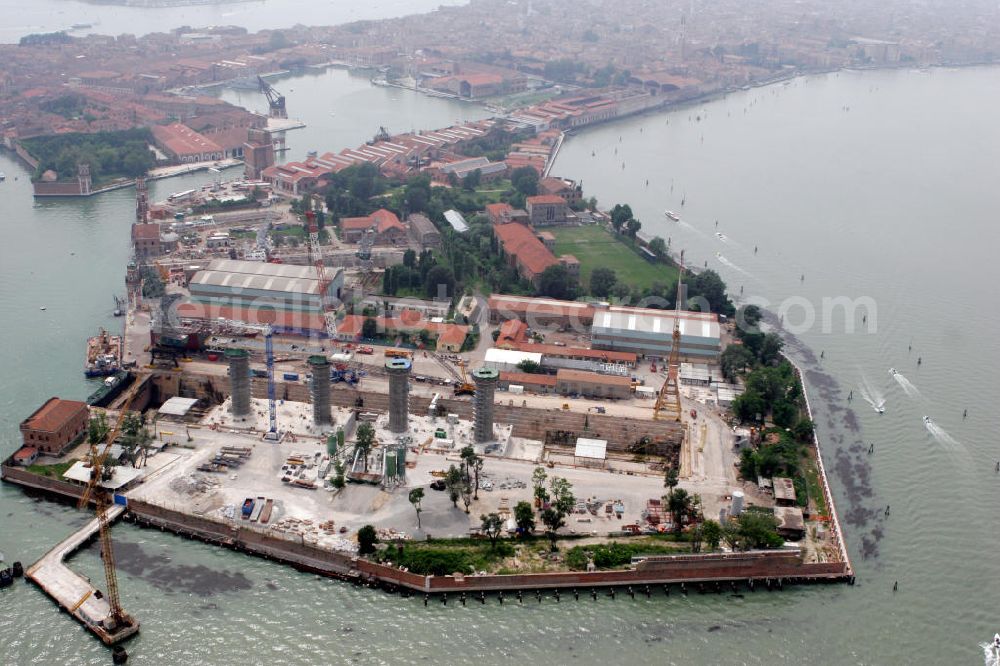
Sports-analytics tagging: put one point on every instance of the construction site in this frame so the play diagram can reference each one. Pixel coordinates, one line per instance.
(260, 415)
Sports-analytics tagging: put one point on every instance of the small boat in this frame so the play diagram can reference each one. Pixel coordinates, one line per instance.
(880, 407)
(721, 236)
(3, 176)
(927, 420)
(892, 372)
(42, 308)
(672, 215)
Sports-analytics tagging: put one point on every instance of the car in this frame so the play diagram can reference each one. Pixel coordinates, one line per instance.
(437, 485)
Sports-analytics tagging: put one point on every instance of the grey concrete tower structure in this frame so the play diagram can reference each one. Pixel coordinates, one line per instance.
(399, 393)
(320, 389)
(482, 404)
(239, 381)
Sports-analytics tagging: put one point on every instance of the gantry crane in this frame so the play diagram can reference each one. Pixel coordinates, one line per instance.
(668, 402)
(275, 100)
(118, 619)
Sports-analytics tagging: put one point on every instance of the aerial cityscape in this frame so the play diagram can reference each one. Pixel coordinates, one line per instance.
(590, 330)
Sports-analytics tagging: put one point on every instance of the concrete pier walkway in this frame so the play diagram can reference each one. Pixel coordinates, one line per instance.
(74, 593)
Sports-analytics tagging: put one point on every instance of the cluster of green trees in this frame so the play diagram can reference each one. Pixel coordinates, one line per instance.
(45, 39)
(351, 191)
(419, 275)
(754, 529)
(494, 145)
(67, 106)
(624, 221)
(110, 155)
(557, 501)
(462, 482)
(614, 554)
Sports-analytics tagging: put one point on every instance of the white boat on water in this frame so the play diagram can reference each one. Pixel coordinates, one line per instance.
(3, 176)
(721, 236)
(892, 372)
(927, 420)
(672, 215)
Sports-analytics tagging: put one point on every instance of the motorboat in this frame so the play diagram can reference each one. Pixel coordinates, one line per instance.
(721, 236)
(672, 215)
(927, 420)
(880, 407)
(892, 372)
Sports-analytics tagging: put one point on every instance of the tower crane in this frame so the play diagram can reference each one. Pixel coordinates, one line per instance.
(268, 333)
(118, 620)
(275, 100)
(668, 401)
(316, 256)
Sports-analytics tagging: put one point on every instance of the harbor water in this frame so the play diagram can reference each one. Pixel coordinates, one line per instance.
(876, 184)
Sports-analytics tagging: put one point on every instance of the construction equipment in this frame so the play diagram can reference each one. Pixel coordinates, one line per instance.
(464, 386)
(242, 326)
(117, 619)
(275, 100)
(316, 256)
(668, 401)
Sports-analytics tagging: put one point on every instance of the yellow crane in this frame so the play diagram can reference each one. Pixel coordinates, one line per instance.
(465, 387)
(668, 401)
(118, 619)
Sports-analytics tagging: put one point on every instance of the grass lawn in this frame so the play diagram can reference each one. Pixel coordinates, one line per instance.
(594, 246)
(54, 471)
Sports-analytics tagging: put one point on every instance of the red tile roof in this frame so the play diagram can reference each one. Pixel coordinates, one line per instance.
(149, 231)
(519, 241)
(512, 331)
(577, 352)
(528, 379)
(182, 140)
(545, 199)
(25, 453)
(54, 414)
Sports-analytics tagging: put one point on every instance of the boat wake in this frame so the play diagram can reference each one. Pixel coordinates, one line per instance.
(991, 652)
(872, 395)
(907, 386)
(942, 436)
(729, 264)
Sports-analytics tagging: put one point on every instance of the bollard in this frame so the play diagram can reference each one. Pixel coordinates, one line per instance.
(631, 593)
(612, 592)
(684, 589)
(444, 598)
(593, 593)
(733, 586)
(501, 597)
(647, 592)
(750, 584)
(718, 587)
(576, 595)
(701, 588)
(538, 595)
(426, 598)
(557, 595)
(519, 600)
(482, 598)
(666, 590)
(462, 598)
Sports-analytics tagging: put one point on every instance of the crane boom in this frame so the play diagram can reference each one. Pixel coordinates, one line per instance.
(275, 100)
(98, 460)
(668, 401)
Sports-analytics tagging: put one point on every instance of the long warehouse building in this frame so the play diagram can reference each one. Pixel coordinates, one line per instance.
(284, 295)
(649, 332)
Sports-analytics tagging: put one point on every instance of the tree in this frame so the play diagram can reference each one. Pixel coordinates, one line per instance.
(410, 258)
(524, 516)
(553, 521)
(278, 40)
(803, 430)
(525, 180)
(369, 328)
(492, 526)
(749, 406)
(453, 481)
(473, 465)
(632, 227)
(784, 413)
(529, 366)
(97, 429)
(670, 479)
(367, 538)
(770, 350)
(538, 478)
(679, 505)
(735, 360)
(710, 287)
(747, 318)
(135, 437)
(759, 529)
(416, 496)
(658, 247)
(338, 475)
(602, 279)
(555, 282)
(365, 437)
(711, 532)
(562, 504)
(472, 180)
(466, 491)
(620, 215)
(440, 283)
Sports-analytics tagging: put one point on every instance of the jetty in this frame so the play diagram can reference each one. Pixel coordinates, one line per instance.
(74, 593)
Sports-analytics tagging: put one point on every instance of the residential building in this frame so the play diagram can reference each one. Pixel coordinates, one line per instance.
(512, 334)
(55, 425)
(387, 227)
(561, 187)
(547, 210)
(446, 337)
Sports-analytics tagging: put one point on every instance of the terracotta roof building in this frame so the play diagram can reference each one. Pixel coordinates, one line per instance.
(55, 425)
(547, 210)
(523, 251)
(387, 227)
(183, 144)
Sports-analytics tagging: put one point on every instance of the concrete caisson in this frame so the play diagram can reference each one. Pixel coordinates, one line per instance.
(398, 370)
(320, 390)
(486, 383)
(239, 381)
